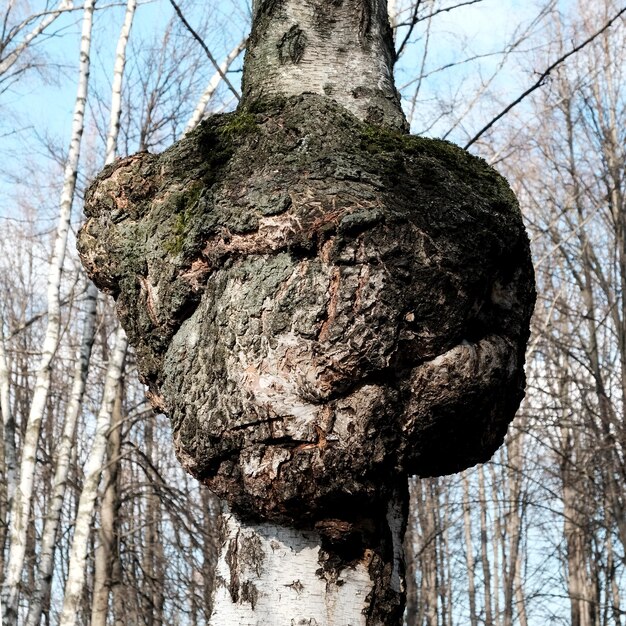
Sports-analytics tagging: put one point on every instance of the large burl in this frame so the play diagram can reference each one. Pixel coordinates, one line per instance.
(320, 305)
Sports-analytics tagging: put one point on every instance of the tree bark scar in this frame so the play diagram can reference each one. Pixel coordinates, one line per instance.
(233, 566)
(249, 593)
(269, 6)
(291, 45)
(366, 20)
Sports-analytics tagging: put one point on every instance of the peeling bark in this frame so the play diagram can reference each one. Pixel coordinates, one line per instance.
(280, 575)
(321, 303)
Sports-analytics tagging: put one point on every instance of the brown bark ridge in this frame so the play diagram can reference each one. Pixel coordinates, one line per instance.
(320, 305)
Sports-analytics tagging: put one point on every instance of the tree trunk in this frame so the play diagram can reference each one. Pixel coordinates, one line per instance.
(153, 550)
(106, 551)
(116, 87)
(273, 574)
(316, 313)
(212, 86)
(93, 471)
(469, 551)
(484, 547)
(9, 453)
(209, 548)
(343, 50)
(497, 543)
(49, 537)
(20, 514)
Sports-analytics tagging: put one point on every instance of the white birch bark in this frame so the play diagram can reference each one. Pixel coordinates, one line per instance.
(484, 547)
(63, 462)
(496, 543)
(116, 88)
(469, 551)
(213, 84)
(270, 574)
(346, 54)
(392, 9)
(24, 491)
(106, 534)
(93, 471)
(14, 55)
(8, 422)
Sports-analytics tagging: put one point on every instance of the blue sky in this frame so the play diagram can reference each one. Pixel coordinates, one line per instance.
(37, 110)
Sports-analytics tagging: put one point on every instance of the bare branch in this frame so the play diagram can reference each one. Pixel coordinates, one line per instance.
(415, 19)
(213, 85)
(205, 48)
(12, 57)
(540, 81)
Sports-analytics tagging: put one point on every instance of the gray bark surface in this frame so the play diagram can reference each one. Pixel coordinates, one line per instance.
(342, 49)
(320, 305)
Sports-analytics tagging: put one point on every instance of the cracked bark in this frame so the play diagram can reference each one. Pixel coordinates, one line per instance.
(322, 304)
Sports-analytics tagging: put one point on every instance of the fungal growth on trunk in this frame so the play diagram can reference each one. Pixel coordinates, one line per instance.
(323, 305)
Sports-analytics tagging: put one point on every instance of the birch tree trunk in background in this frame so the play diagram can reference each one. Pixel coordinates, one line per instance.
(469, 551)
(106, 548)
(411, 541)
(20, 514)
(9, 458)
(514, 523)
(41, 596)
(154, 560)
(213, 84)
(104, 553)
(93, 472)
(116, 87)
(484, 547)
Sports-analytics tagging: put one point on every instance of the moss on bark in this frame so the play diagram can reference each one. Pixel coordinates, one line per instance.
(320, 305)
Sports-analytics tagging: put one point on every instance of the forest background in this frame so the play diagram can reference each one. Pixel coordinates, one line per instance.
(536, 536)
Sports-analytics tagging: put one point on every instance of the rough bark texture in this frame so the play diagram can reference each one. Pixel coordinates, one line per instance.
(320, 305)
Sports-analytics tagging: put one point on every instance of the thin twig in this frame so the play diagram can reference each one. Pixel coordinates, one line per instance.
(197, 37)
(540, 81)
(416, 20)
(413, 21)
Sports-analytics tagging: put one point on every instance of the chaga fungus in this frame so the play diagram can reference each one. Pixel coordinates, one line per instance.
(321, 306)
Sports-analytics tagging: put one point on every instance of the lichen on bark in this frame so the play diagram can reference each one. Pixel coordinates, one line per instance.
(320, 305)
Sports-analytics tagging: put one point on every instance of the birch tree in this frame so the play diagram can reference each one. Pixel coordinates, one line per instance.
(213, 84)
(40, 598)
(322, 396)
(93, 473)
(98, 452)
(562, 148)
(20, 514)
